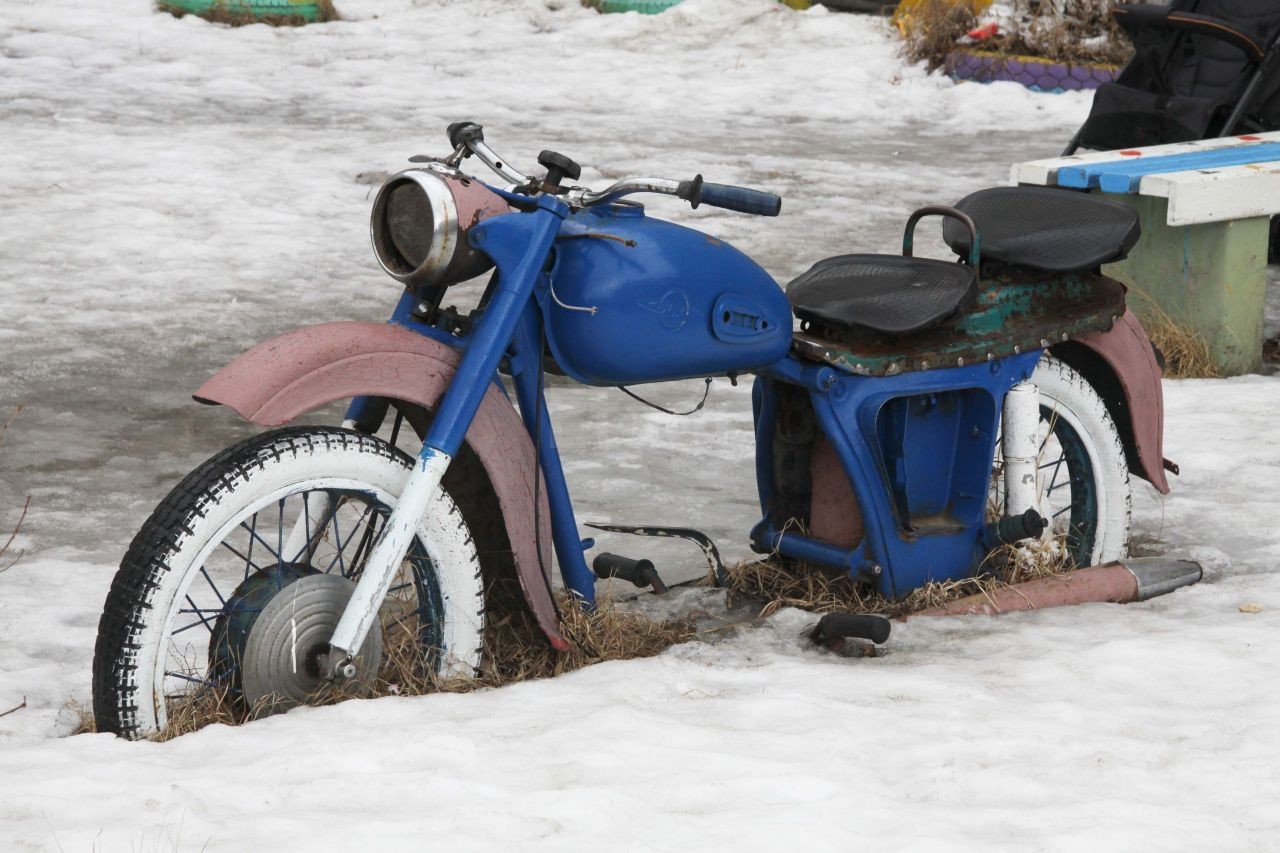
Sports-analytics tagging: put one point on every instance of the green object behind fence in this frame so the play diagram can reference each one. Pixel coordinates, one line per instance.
(243, 11)
(644, 7)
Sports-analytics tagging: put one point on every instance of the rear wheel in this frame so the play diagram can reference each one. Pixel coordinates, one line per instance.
(234, 583)
(1082, 476)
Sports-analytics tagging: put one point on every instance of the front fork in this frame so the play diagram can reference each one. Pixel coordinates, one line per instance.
(519, 245)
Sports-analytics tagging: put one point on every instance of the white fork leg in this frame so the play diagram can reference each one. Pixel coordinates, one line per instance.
(388, 552)
(1021, 447)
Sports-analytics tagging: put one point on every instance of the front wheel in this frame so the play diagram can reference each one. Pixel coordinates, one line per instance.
(233, 585)
(1082, 476)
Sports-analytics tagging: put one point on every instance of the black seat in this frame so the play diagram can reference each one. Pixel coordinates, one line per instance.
(1045, 228)
(883, 293)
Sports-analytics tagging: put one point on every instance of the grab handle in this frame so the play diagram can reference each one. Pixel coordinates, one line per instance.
(908, 236)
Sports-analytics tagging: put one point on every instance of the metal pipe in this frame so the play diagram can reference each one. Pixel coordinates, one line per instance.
(1121, 582)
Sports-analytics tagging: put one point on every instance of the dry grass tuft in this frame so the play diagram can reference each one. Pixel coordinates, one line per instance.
(515, 650)
(1186, 353)
(1083, 31)
(934, 29)
(780, 583)
(84, 722)
(234, 13)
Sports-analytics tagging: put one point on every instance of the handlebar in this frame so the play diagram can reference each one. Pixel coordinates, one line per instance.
(696, 192)
(468, 139)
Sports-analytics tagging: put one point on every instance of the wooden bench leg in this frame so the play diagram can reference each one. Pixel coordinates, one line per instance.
(1210, 278)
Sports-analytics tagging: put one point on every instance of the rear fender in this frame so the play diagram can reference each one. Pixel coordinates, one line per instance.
(1121, 365)
(492, 477)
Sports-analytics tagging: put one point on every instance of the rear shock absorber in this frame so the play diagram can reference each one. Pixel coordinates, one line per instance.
(1021, 446)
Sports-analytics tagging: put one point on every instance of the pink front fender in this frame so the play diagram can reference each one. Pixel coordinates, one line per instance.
(1121, 365)
(282, 378)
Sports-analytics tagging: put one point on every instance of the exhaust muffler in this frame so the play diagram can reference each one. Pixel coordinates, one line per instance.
(1121, 582)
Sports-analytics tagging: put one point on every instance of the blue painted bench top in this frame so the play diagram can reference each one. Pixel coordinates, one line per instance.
(1207, 180)
(1124, 175)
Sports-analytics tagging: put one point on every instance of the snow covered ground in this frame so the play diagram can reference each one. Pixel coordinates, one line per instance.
(172, 192)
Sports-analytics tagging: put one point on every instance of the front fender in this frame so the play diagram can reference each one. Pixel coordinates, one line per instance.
(301, 370)
(1121, 365)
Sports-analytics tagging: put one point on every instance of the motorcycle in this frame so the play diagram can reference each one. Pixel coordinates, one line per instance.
(911, 416)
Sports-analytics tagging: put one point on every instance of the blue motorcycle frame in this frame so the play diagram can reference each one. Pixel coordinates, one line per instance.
(916, 447)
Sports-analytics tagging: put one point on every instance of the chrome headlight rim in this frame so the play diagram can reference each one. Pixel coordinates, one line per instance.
(444, 226)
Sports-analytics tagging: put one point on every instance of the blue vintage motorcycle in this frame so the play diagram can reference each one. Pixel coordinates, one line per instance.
(911, 415)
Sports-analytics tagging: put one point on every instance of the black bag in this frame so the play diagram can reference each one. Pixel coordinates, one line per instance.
(1201, 68)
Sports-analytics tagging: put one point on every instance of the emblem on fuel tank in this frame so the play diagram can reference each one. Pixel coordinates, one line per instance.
(672, 309)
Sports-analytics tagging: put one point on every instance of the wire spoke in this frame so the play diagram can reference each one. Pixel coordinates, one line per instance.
(254, 533)
(1069, 506)
(212, 586)
(248, 564)
(204, 682)
(306, 528)
(337, 535)
(200, 615)
(365, 548)
(280, 535)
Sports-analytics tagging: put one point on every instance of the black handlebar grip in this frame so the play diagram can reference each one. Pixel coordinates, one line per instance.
(837, 626)
(741, 199)
(461, 132)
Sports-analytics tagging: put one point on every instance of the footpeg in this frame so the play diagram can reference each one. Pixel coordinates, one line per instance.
(1016, 528)
(640, 572)
(834, 628)
(697, 537)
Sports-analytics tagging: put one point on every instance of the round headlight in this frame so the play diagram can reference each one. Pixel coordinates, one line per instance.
(410, 224)
(419, 223)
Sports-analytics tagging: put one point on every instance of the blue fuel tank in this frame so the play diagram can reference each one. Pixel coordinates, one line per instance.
(670, 302)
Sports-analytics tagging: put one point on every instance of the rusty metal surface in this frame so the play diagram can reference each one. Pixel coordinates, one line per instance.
(1107, 583)
(1120, 582)
(834, 515)
(1138, 408)
(1016, 311)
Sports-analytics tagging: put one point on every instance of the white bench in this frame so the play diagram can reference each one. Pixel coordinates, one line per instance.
(1206, 208)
